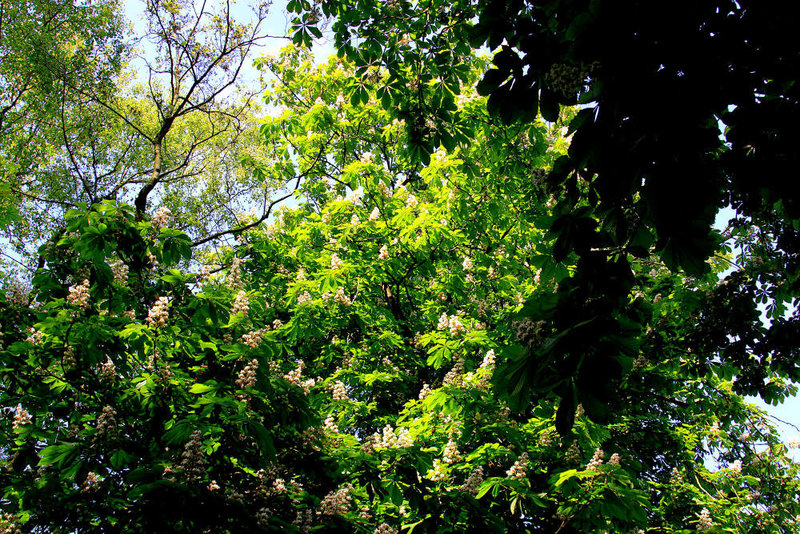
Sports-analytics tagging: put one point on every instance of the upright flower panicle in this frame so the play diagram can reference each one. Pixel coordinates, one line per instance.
(159, 313)
(596, 461)
(247, 376)
(241, 304)
(79, 295)
(21, 418)
(161, 217)
(336, 502)
(704, 521)
(108, 371)
(520, 468)
(120, 271)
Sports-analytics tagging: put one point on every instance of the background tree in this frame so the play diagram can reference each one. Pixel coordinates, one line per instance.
(171, 124)
(46, 49)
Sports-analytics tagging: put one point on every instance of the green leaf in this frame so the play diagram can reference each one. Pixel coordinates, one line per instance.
(199, 389)
(564, 476)
(121, 459)
(58, 454)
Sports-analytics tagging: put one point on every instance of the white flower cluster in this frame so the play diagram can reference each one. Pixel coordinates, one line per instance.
(411, 201)
(161, 217)
(451, 454)
(303, 298)
(17, 293)
(159, 313)
(391, 439)
(675, 478)
(596, 461)
(374, 214)
(487, 366)
(107, 421)
(455, 326)
(424, 392)
(573, 454)
(205, 273)
(366, 157)
(794, 442)
(35, 336)
(473, 482)
(330, 424)
(240, 304)
(438, 473)
(467, 264)
(252, 339)
(120, 271)
(193, 460)
(452, 323)
(341, 297)
(8, 524)
(548, 438)
(336, 261)
(614, 460)
(736, 466)
(454, 376)
(277, 324)
(91, 481)
(234, 278)
(704, 521)
(279, 485)
(520, 468)
(247, 376)
(295, 378)
(338, 391)
(21, 417)
(528, 331)
(336, 502)
(79, 295)
(354, 220)
(384, 253)
(385, 528)
(107, 370)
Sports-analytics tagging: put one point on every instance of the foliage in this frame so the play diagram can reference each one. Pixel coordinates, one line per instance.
(647, 167)
(154, 119)
(335, 371)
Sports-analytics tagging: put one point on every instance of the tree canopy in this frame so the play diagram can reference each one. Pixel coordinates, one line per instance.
(684, 109)
(449, 328)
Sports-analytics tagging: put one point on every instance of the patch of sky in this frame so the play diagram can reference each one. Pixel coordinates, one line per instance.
(786, 415)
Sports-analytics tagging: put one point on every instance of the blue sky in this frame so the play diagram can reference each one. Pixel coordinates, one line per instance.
(786, 416)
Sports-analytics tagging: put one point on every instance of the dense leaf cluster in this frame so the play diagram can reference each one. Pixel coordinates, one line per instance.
(684, 109)
(339, 369)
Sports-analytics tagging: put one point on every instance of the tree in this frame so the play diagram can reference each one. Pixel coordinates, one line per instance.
(171, 128)
(45, 49)
(648, 167)
(337, 370)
